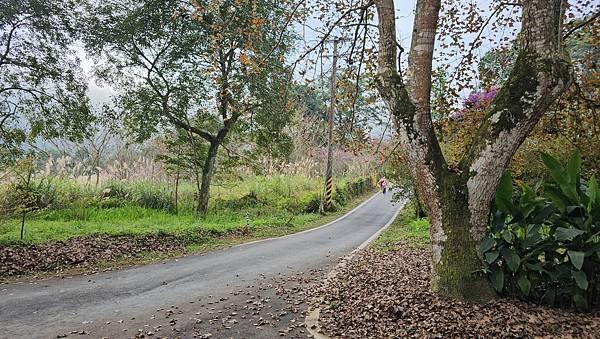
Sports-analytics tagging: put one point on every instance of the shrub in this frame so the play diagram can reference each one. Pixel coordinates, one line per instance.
(249, 200)
(341, 196)
(116, 190)
(117, 194)
(19, 197)
(351, 189)
(312, 203)
(70, 194)
(153, 197)
(114, 194)
(544, 245)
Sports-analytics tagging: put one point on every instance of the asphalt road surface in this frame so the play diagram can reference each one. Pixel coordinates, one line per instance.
(131, 297)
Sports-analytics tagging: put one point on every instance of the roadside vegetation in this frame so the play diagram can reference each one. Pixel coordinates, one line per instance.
(203, 142)
(132, 220)
(408, 229)
(385, 291)
(64, 209)
(541, 253)
(542, 241)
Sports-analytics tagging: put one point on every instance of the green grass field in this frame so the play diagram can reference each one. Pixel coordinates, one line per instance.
(274, 206)
(406, 229)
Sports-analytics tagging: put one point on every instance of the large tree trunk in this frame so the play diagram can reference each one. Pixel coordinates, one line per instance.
(455, 250)
(207, 173)
(458, 199)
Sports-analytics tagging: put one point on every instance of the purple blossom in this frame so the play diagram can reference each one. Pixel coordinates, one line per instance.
(475, 101)
(478, 99)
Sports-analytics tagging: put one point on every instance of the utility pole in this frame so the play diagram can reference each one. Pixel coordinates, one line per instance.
(328, 205)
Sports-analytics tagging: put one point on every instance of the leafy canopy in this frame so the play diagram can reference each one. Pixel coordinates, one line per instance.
(193, 65)
(42, 88)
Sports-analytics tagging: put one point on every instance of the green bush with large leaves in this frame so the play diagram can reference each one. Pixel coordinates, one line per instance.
(543, 242)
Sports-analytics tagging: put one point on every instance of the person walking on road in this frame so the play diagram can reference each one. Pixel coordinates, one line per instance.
(382, 184)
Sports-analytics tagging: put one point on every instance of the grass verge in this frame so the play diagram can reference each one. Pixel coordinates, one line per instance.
(407, 229)
(269, 206)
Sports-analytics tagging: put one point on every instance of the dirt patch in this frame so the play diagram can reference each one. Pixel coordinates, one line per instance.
(385, 295)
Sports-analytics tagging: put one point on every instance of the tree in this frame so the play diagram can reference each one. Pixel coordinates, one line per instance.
(357, 109)
(458, 198)
(570, 125)
(312, 98)
(199, 66)
(42, 89)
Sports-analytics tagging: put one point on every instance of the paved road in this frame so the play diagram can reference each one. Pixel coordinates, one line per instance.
(52, 307)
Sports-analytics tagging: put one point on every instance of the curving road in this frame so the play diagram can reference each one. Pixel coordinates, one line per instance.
(54, 307)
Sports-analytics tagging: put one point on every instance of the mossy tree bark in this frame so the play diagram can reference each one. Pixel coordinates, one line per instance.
(458, 198)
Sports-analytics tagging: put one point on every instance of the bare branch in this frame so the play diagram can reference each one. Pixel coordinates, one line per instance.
(287, 22)
(357, 85)
(332, 27)
(581, 25)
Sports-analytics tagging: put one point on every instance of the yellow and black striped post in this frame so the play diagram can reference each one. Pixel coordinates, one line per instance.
(329, 193)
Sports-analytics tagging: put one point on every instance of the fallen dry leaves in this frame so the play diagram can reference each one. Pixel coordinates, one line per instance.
(387, 295)
(80, 252)
(89, 250)
(271, 307)
(265, 307)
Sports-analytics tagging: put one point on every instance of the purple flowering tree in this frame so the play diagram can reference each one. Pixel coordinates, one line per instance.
(477, 101)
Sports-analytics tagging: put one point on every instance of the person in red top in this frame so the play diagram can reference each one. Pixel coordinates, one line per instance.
(383, 184)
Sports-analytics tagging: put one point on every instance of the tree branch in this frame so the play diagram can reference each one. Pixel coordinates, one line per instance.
(10, 36)
(282, 32)
(333, 26)
(188, 127)
(473, 43)
(581, 25)
(149, 68)
(357, 84)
